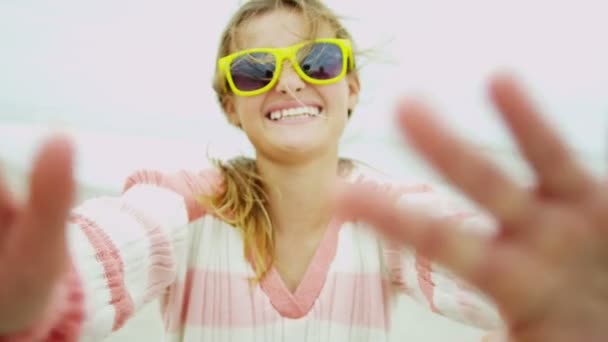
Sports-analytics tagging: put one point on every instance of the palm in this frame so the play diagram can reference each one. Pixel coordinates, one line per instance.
(547, 267)
(32, 240)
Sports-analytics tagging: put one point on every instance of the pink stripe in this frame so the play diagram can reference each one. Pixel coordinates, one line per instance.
(298, 304)
(189, 185)
(162, 269)
(425, 281)
(68, 328)
(226, 300)
(459, 217)
(413, 188)
(217, 299)
(468, 309)
(393, 257)
(392, 191)
(109, 257)
(355, 299)
(63, 316)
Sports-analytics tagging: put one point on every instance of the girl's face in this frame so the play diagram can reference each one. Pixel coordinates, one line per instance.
(297, 138)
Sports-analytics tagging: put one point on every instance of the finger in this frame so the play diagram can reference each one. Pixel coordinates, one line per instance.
(403, 224)
(41, 233)
(462, 166)
(499, 270)
(559, 173)
(8, 206)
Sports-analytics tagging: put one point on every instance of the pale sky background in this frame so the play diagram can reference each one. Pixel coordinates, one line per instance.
(131, 81)
(117, 71)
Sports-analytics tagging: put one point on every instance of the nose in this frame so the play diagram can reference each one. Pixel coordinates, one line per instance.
(289, 81)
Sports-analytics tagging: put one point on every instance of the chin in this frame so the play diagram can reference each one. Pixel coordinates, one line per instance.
(299, 149)
(297, 152)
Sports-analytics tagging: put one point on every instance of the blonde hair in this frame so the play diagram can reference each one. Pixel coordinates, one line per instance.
(244, 202)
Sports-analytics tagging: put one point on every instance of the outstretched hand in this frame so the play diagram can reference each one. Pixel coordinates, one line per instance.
(547, 267)
(33, 253)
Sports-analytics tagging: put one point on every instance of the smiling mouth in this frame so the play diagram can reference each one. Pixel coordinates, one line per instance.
(293, 113)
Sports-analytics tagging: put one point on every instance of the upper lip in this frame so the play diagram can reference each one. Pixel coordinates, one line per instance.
(291, 104)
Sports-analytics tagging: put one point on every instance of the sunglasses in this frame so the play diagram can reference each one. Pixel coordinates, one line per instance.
(255, 71)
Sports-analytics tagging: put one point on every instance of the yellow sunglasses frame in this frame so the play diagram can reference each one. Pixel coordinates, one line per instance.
(289, 53)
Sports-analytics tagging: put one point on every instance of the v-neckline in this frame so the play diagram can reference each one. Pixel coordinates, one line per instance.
(298, 303)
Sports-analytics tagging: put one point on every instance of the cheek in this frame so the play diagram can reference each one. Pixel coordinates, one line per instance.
(248, 108)
(336, 96)
(338, 90)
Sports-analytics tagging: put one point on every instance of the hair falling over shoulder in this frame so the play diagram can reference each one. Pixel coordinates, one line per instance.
(244, 203)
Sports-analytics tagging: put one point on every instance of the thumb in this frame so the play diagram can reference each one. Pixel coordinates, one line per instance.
(368, 203)
(42, 228)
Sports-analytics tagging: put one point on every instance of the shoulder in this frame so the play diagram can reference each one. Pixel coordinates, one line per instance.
(363, 174)
(422, 196)
(190, 185)
(426, 198)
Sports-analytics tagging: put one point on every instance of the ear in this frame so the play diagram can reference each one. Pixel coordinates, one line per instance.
(354, 87)
(230, 110)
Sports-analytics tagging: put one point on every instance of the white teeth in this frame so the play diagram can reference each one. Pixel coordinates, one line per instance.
(291, 112)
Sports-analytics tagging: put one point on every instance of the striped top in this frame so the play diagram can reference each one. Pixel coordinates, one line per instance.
(156, 241)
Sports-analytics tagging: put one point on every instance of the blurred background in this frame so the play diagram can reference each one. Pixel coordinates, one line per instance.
(131, 82)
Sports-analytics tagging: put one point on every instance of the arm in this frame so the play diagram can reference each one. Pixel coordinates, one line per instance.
(124, 253)
(434, 287)
(429, 283)
(414, 275)
(553, 233)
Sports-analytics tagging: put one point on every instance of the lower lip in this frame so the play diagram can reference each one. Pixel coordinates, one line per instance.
(294, 120)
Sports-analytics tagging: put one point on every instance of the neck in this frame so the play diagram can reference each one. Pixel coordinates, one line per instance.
(299, 194)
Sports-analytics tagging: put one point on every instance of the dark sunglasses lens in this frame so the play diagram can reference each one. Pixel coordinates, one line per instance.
(321, 61)
(253, 71)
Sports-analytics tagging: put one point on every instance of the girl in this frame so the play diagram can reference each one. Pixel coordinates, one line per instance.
(255, 249)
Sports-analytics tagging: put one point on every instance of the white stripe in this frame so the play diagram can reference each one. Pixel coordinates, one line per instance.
(129, 238)
(300, 330)
(217, 247)
(167, 211)
(357, 250)
(161, 205)
(410, 275)
(462, 303)
(480, 223)
(99, 313)
(427, 203)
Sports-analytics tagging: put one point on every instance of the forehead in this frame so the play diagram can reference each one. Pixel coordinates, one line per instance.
(278, 28)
